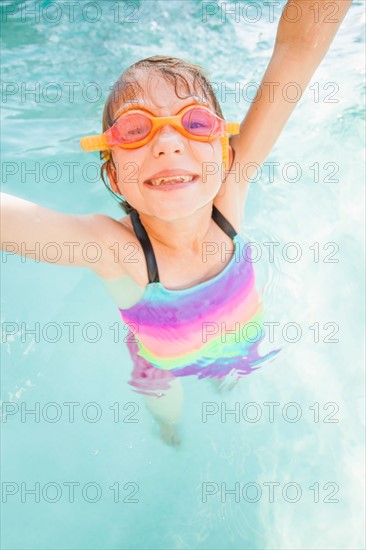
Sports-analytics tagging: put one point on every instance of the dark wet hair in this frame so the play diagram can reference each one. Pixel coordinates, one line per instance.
(178, 72)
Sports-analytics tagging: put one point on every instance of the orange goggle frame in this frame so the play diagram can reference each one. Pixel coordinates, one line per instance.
(134, 129)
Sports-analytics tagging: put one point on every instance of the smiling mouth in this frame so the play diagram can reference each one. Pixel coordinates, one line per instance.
(173, 180)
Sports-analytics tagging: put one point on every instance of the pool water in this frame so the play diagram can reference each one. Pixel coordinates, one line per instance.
(131, 490)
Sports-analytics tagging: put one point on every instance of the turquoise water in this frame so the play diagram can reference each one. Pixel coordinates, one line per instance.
(320, 453)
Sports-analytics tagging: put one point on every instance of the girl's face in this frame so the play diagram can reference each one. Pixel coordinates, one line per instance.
(168, 150)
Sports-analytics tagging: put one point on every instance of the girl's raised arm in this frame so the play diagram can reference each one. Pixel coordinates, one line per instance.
(44, 235)
(305, 32)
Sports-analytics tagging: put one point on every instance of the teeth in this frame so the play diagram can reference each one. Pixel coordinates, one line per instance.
(173, 179)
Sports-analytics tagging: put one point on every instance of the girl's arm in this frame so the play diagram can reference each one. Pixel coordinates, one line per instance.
(299, 48)
(44, 235)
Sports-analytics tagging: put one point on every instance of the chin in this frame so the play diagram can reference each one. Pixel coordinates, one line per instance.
(172, 214)
(180, 212)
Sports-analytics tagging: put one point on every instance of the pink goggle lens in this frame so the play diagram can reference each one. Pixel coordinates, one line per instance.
(133, 127)
(199, 122)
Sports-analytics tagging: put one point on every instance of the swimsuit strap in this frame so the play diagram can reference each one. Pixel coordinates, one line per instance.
(145, 242)
(142, 236)
(223, 223)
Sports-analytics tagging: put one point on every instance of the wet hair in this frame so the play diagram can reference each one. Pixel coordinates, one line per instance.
(179, 73)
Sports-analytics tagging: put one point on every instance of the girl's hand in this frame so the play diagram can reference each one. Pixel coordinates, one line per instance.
(305, 32)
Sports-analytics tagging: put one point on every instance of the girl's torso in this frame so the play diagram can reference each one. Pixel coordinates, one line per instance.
(126, 276)
(198, 329)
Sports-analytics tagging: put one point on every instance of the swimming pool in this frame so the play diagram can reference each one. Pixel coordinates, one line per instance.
(283, 470)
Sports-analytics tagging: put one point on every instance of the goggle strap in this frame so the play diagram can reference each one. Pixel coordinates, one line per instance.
(233, 128)
(94, 143)
(225, 152)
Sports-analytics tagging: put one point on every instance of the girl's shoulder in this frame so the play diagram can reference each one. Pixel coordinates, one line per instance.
(121, 251)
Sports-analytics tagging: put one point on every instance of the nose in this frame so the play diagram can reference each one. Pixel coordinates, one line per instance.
(167, 141)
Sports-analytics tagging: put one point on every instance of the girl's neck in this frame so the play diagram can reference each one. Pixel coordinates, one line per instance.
(186, 233)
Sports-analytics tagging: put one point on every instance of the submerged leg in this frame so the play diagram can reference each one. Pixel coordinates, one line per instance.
(222, 385)
(167, 411)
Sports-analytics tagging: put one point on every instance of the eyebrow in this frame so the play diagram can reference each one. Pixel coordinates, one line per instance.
(135, 105)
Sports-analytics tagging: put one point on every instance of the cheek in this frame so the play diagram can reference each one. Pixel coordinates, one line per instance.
(207, 152)
(128, 170)
(212, 164)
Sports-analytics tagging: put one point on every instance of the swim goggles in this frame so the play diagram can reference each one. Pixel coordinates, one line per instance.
(135, 128)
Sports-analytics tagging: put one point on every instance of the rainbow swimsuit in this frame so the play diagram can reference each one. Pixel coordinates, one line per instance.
(210, 330)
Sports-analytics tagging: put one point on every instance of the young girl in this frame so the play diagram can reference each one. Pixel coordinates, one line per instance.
(168, 158)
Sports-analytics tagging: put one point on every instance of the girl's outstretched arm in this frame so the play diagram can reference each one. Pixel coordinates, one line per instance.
(44, 235)
(305, 32)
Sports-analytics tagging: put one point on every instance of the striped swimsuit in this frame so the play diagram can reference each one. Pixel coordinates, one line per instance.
(212, 329)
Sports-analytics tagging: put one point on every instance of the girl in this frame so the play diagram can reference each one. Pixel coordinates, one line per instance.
(168, 158)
